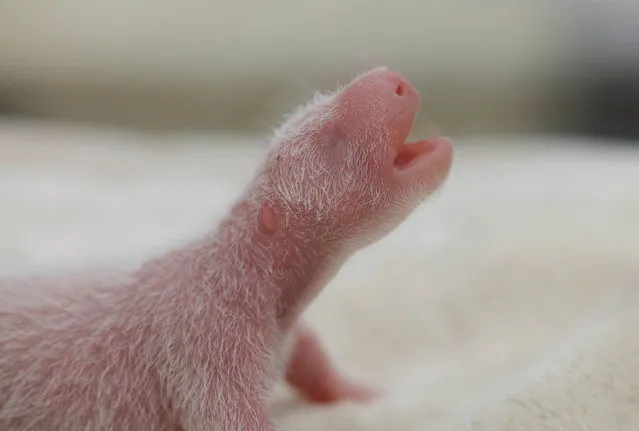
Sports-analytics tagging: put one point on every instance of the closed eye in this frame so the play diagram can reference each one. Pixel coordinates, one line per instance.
(337, 145)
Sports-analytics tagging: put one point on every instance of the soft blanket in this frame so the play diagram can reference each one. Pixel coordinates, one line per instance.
(510, 301)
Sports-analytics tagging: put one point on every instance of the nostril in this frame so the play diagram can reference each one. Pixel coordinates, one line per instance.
(399, 90)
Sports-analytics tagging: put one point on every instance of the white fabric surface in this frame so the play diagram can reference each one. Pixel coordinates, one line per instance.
(485, 304)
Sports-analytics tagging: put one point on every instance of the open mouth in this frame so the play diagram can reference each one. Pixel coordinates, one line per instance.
(407, 153)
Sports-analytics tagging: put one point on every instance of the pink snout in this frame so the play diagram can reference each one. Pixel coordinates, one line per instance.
(393, 86)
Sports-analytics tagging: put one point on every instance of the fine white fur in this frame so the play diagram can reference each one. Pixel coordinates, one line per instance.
(490, 306)
(191, 340)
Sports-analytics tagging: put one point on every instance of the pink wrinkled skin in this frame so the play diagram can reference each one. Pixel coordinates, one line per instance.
(194, 339)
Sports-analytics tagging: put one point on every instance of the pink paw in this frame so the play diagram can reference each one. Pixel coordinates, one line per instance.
(360, 392)
(343, 391)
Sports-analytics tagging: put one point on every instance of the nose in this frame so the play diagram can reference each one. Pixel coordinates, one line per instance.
(395, 85)
(383, 97)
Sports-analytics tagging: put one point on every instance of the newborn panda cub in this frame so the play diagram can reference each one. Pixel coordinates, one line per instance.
(194, 339)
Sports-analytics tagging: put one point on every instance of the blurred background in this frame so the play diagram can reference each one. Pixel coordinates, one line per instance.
(558, 67)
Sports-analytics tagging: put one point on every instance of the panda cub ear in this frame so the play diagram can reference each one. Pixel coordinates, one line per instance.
(268, 219)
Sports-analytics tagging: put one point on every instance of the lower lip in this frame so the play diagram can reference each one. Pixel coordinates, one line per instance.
(416, 151)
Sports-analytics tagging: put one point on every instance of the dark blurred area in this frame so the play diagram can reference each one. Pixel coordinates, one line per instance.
(562, 67)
